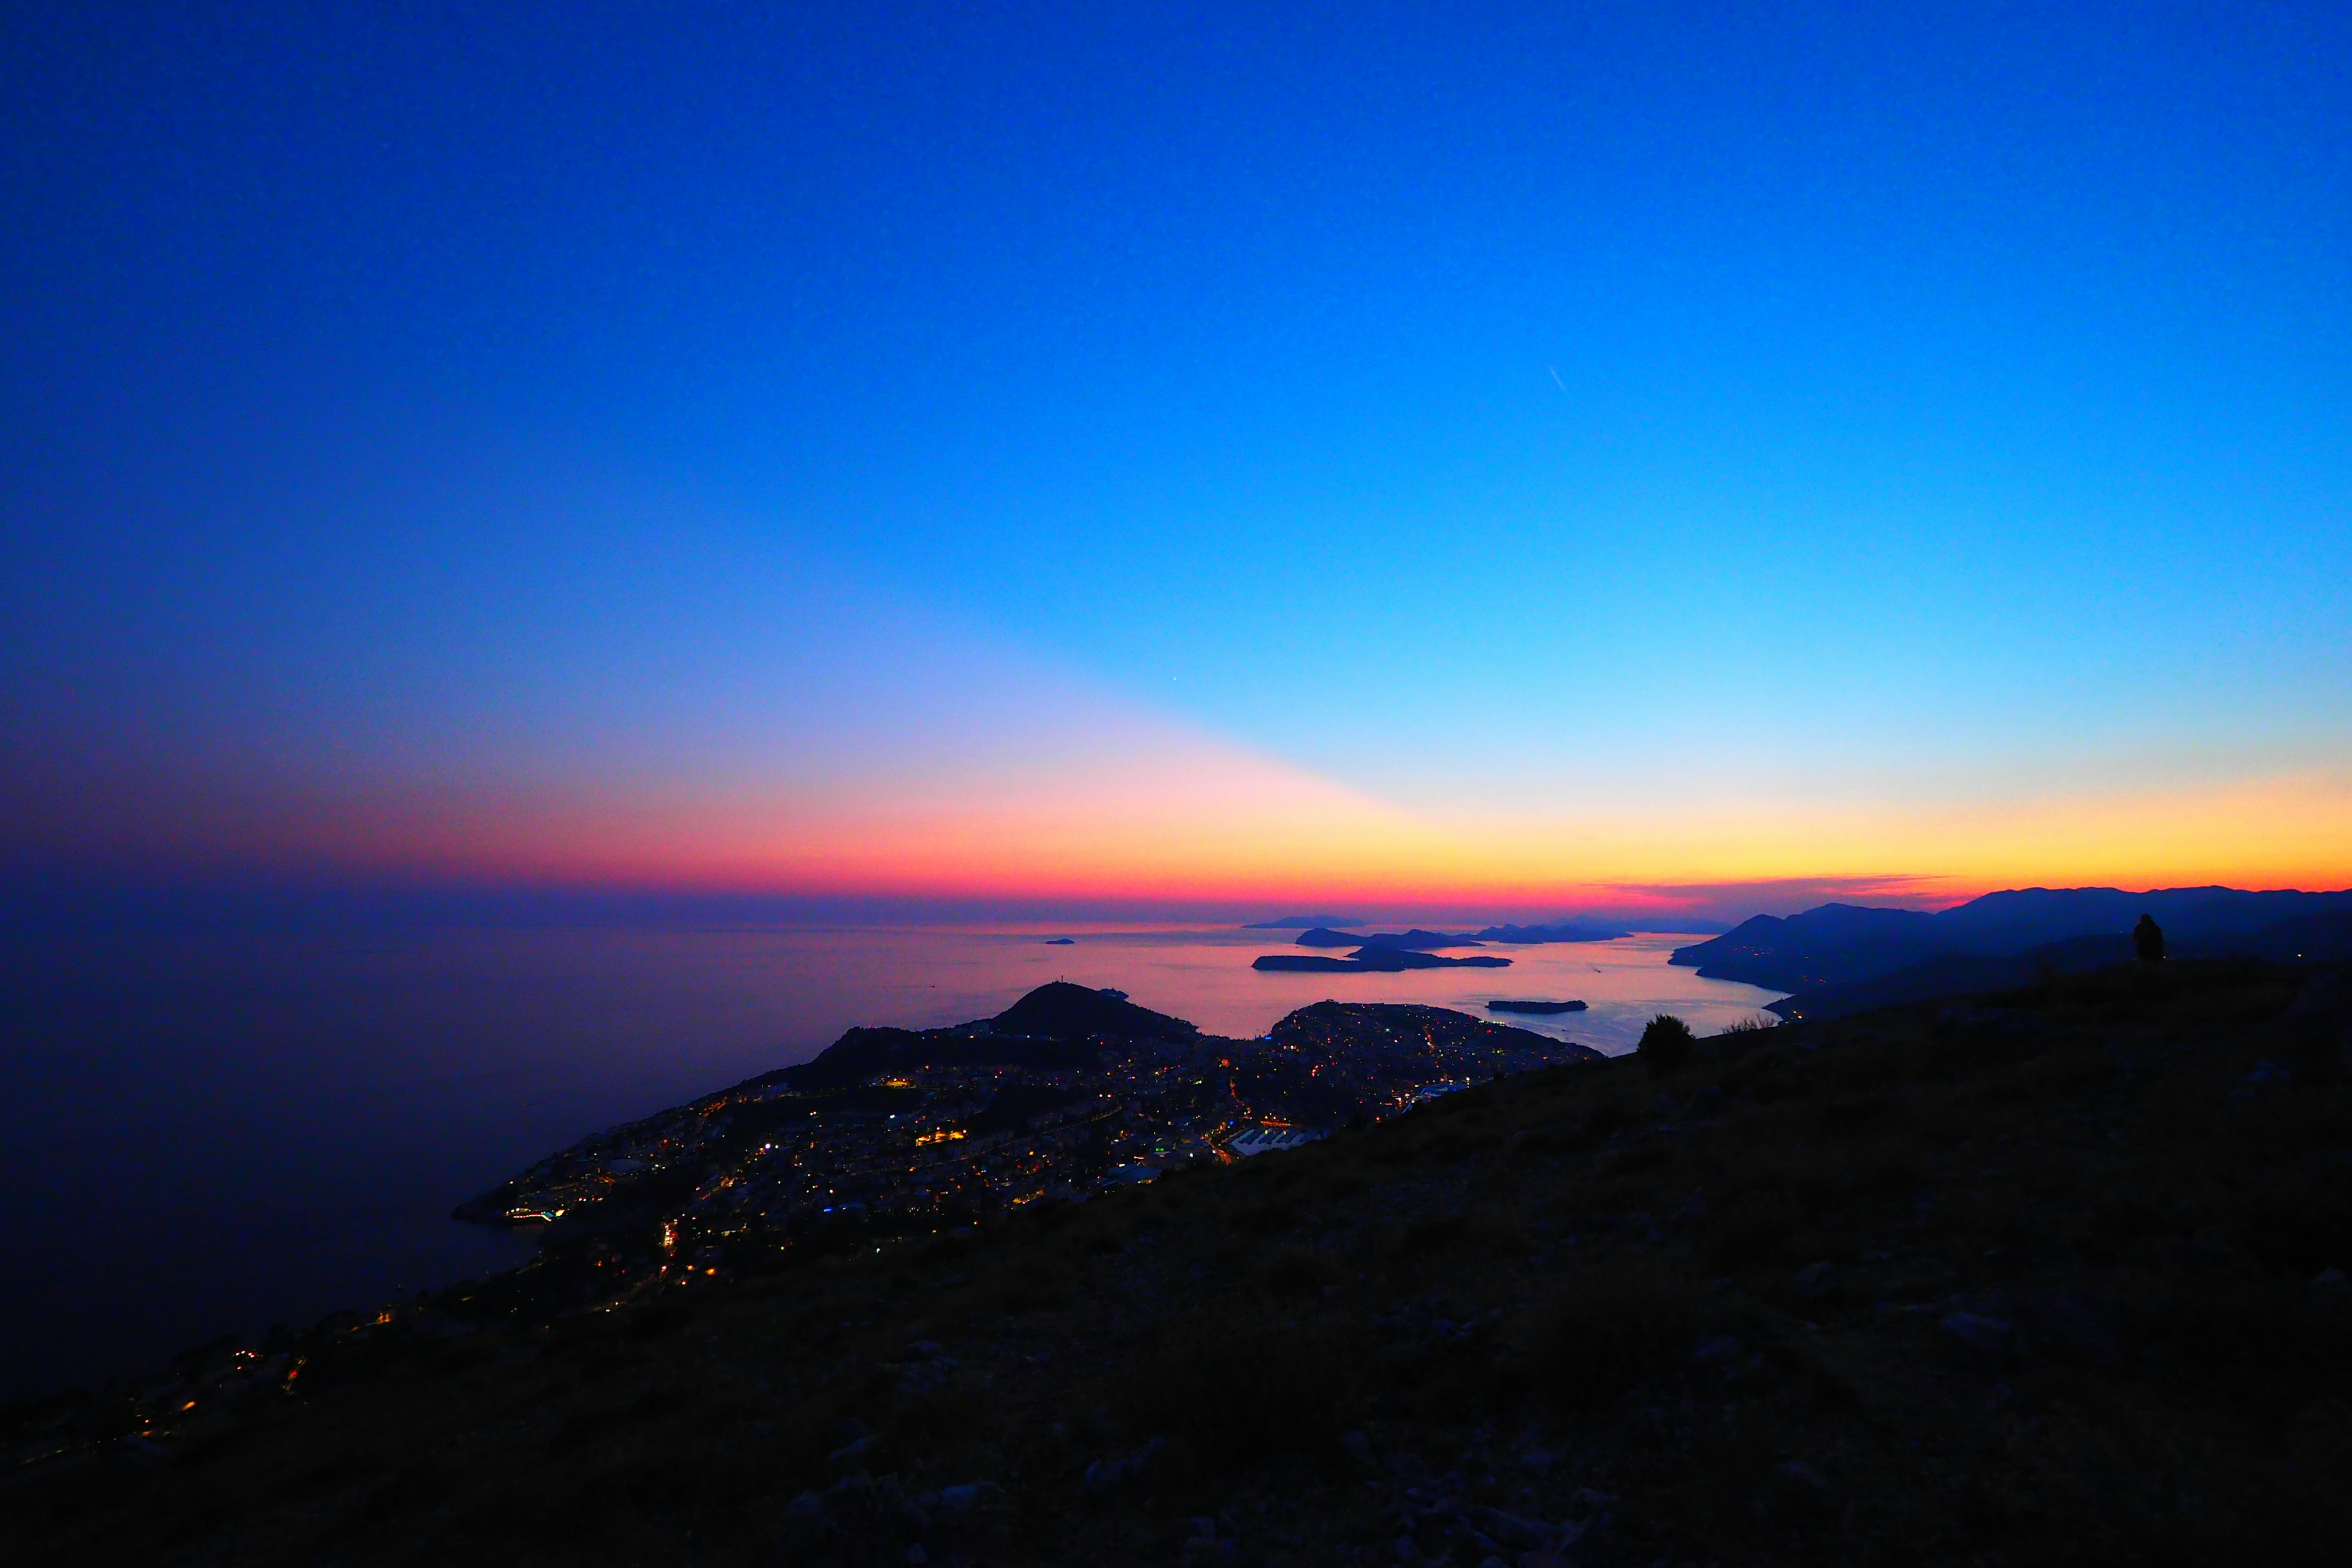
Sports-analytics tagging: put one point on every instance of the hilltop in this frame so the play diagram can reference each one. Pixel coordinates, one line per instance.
(2054, 1275)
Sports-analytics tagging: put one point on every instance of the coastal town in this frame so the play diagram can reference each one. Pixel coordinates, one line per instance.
(896, 1132)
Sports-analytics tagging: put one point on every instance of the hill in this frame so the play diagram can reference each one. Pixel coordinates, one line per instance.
(1839, 945)
(1053, 1025)
(2052, 1276)
(1955, 975)
(2324, 936)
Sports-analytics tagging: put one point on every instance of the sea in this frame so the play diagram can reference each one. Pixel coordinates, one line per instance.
(205, 1133)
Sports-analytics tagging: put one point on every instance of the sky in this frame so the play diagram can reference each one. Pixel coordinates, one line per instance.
(1520, 458)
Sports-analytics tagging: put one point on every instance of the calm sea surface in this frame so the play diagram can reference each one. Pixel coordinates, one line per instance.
(207, 1134)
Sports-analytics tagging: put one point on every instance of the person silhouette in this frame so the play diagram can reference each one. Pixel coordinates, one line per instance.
(2147, 940)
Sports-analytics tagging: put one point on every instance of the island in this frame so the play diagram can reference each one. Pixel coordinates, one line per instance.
(1060, 942)
(1335, 934)
(1559, 930)
(1324, 936)
(1374, 961)
(1510, 1005)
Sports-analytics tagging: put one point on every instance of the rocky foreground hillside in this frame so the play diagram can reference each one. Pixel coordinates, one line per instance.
(2055, 1275)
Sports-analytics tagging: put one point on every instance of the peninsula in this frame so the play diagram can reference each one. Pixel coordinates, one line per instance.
(1068, 1091)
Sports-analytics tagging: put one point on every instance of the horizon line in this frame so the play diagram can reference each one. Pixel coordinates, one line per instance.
(56, 898)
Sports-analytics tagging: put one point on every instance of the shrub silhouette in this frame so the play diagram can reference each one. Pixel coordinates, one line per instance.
(1667, 1044)
(2147, 940)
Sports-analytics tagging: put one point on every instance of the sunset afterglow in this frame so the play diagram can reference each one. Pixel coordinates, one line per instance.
(1264, 496)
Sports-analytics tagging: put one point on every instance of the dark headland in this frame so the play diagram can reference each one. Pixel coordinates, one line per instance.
(2050, 1274)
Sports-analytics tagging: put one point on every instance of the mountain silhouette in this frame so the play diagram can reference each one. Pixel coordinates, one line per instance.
(1842, 957)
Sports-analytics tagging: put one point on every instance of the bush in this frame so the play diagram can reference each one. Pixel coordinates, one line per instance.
(1667, 1045)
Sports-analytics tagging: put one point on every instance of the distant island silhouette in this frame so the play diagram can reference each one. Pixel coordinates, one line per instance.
(1292, 922)
(1374, 961)
(1323, 936)
(1559, 930)
(1513, 935)
(1509, 1004)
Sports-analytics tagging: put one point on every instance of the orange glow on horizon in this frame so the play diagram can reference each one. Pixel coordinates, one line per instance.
(1321, 845)
(1170, 815)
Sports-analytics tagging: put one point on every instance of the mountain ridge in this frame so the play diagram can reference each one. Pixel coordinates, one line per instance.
(1839, 944)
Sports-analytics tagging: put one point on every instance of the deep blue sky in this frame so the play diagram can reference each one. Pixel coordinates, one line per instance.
(1521, 420)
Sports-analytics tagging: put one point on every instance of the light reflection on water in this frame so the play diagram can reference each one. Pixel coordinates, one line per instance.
(206, 1132)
